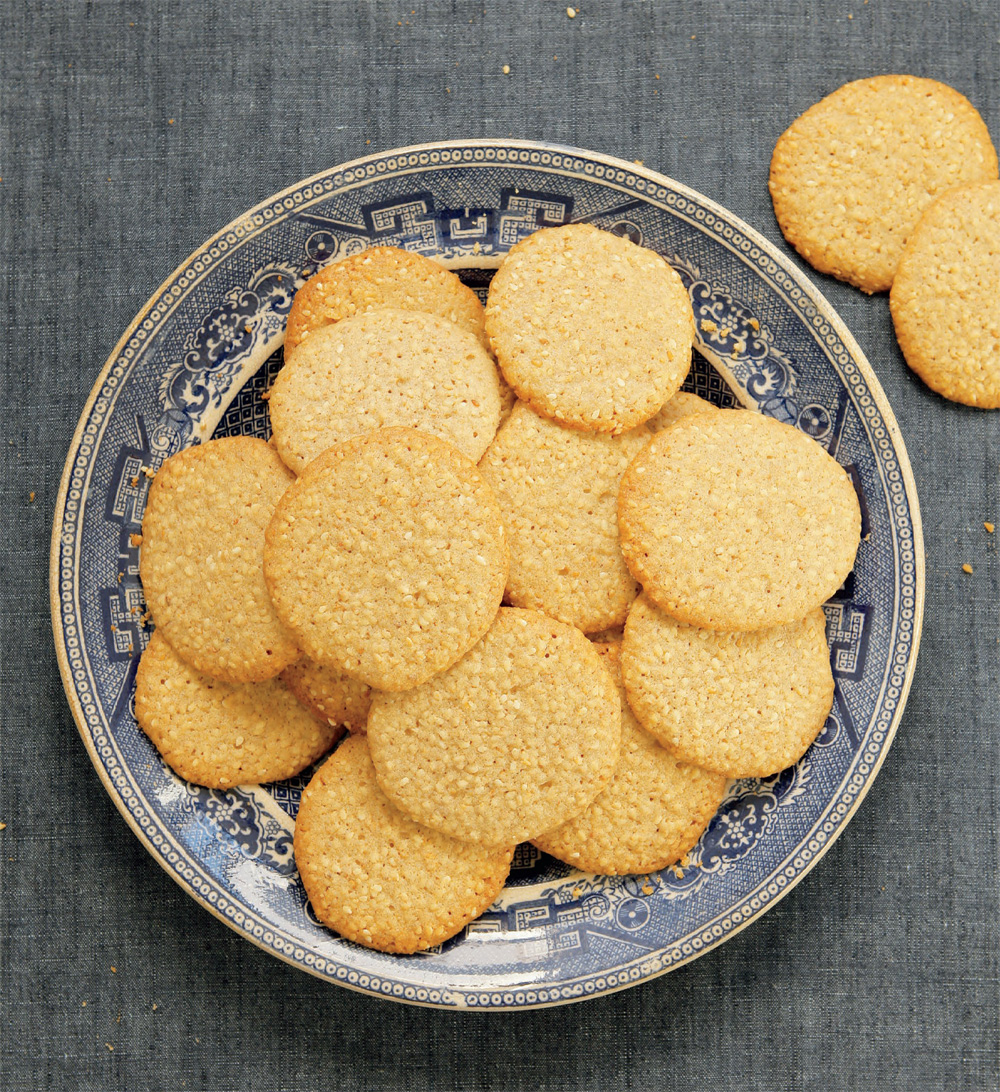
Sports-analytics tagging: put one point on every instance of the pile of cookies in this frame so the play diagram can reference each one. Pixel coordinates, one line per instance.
(892, 183)
(556, 601)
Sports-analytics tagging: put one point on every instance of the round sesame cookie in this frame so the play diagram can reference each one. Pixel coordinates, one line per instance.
(944, 298)
(558, 492)
(376, 876)
(683, 404)
(219, 734)
(329, 693)
(384, 276)
(851, 176)
(388, 559)
(589, 328)
(515, 739)
(736, 521)
(649, 816)
(743, 704)
(381, 369)
(202, 555)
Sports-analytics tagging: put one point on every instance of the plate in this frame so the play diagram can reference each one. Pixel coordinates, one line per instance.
(194, 364)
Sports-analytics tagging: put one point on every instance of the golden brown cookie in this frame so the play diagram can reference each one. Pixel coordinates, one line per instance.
(744, 704)
(851, 176)
(202, 556)
(376, 876)
(519, 736)
(589, 328)
(558, 492)
(683, 404)
(649, 816)
(388, 559)
(329, 693)
(736, 521)
(218, 734)
(381, 369)
(945, 296)
(381, 277)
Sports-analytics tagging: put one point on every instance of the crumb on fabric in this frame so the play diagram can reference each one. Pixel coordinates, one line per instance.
(989, 527)
(506, 69)
(967, 568)
(571, 13)
(31, 497)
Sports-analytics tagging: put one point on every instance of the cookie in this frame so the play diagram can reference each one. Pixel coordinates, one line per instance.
(381, 277)
(683, 404)
(218, 734)
(743, 704)
(558, 490)
(851, 176)
(649, 816)
(589, 328)
(201, 561)
(381, 369)
(388, 559)
(376, 876)
(736, 521)
(515, 739)
(329, 693)
(944, 297)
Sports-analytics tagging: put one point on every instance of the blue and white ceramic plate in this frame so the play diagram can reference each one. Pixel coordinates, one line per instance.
(193, 365)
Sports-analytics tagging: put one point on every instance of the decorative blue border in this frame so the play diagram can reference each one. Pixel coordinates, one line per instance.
(238, 331)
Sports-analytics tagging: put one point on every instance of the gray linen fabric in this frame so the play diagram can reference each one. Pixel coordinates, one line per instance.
(130, 132)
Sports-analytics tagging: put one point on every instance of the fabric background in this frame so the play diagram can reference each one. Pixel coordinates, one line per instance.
(129, 133)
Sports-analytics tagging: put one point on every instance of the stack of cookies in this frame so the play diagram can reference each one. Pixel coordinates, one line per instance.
(891, 183)
(553, 598)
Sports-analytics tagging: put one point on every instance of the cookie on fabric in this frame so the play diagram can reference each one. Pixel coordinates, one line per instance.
(736, 521)
(377, 877)
(329, 693)
(558, 492)
(219, 734)
(743, 704)
(653, 811)
(201, 561)
(850, 177)
(589, 328)
(683, 404)
(515, 739)
(384, 276)
(944, 297)
(382, 369)
(387, 559)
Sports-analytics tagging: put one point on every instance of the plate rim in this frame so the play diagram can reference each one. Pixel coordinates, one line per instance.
(784, 261)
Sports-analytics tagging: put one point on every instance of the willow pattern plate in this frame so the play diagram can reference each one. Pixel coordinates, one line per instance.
(193, 365)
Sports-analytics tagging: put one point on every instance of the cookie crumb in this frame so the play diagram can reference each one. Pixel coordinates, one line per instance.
(31, 497)
(154, 1005)
(506, 69)
(754, 325)
(967, 568)
(647, 890)
(148, 472)
(3, 826)
(265, 396)
(637, 162)
(571, 13)
(989, 527)
(114, 970)
(707, 325)
(134, 539)
(133, 482)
